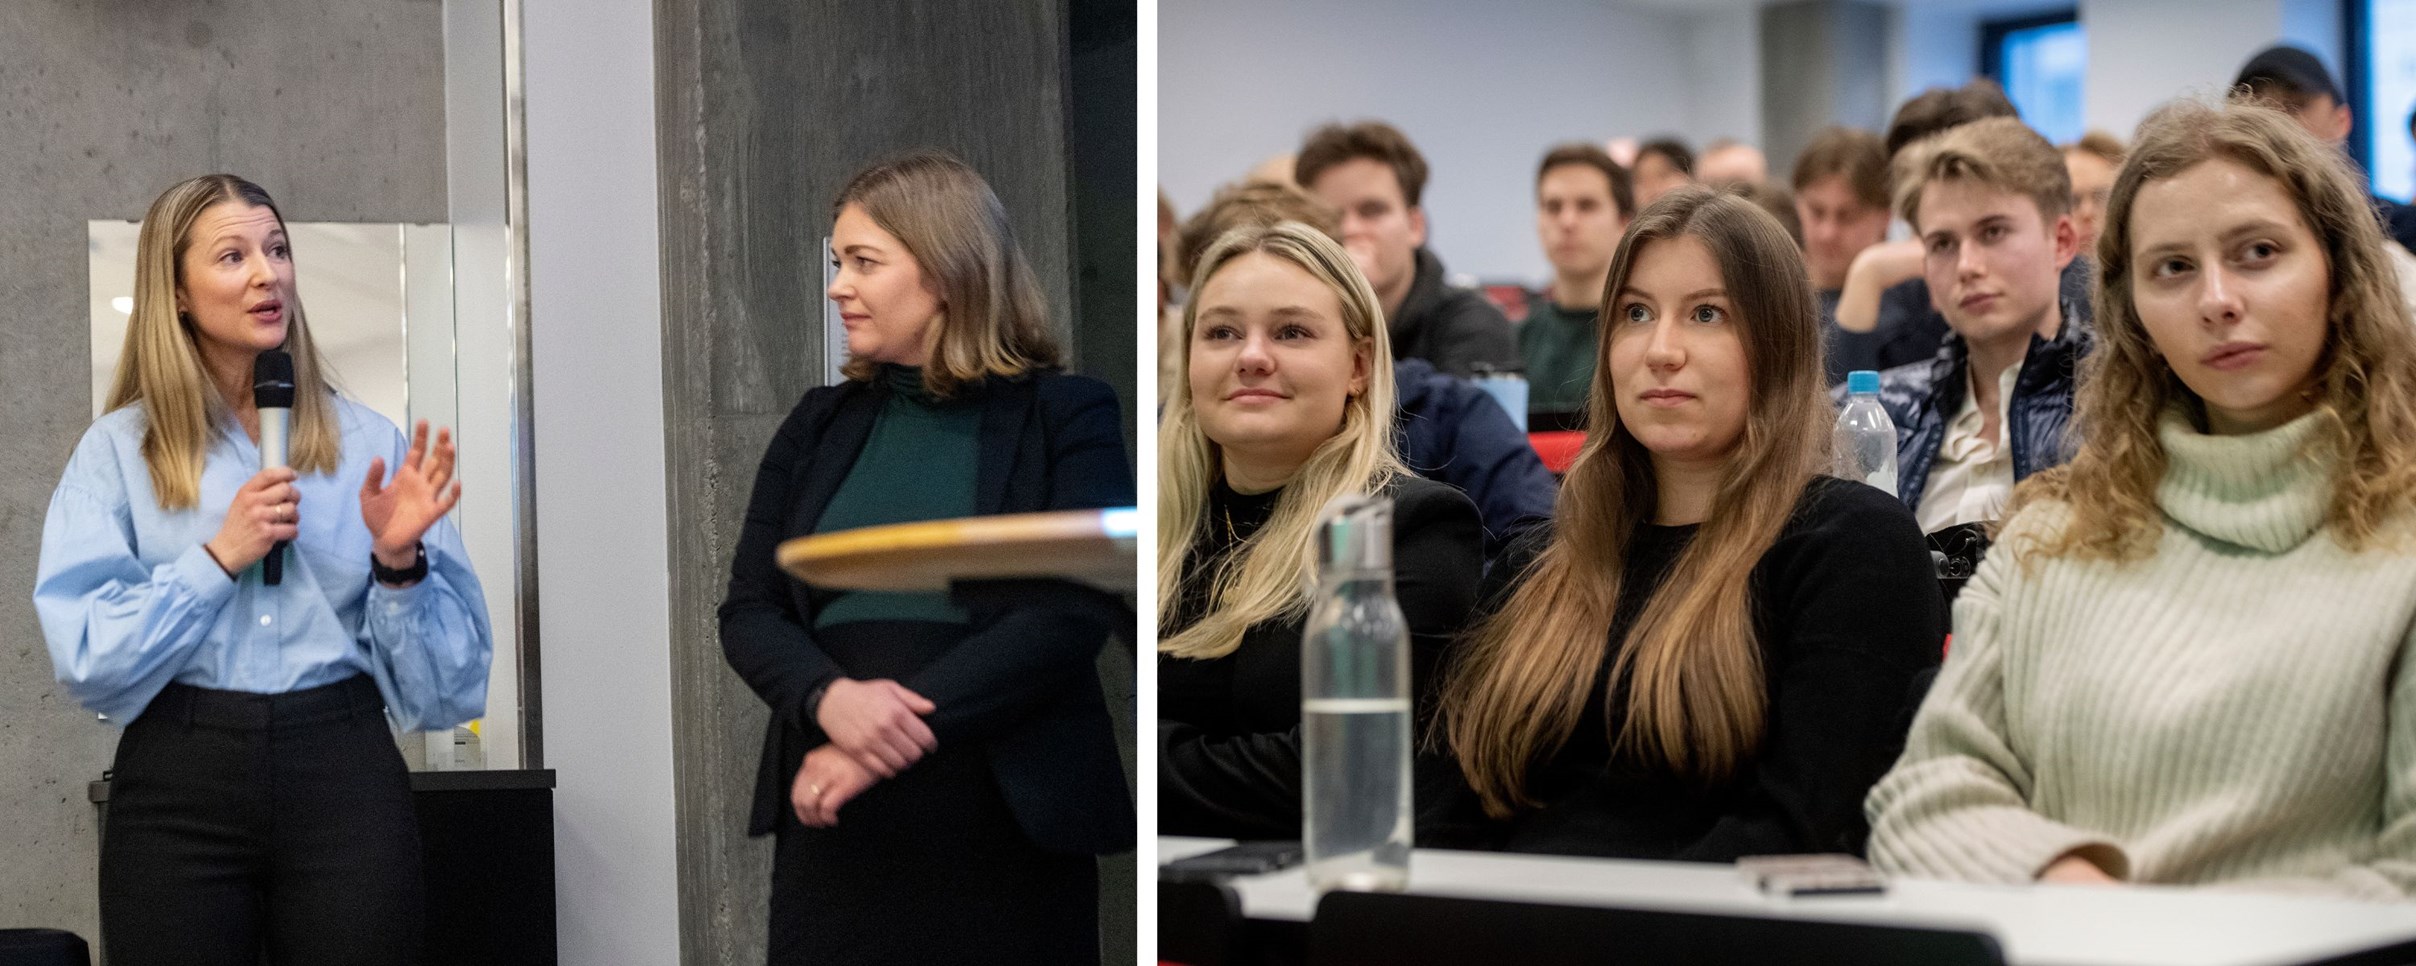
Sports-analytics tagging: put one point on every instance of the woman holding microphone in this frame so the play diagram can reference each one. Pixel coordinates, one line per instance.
(939, 776)
(258, 799)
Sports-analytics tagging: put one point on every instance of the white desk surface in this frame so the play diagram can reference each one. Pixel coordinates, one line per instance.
(2038, 925)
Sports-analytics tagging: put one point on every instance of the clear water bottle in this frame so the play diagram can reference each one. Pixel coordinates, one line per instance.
(1865, 437)
(1354, 709)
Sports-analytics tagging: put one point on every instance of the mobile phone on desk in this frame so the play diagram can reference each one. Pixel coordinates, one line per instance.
(1832, 874)
(1248, 858)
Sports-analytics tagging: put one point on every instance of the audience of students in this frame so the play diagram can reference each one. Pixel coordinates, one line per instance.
(1706, 650)
(2189, 659)
(1707, 654)
(1372, 174)
(1288, 398)
(1583, 202)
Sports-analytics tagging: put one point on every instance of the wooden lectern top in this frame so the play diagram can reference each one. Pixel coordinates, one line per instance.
(1091, 546)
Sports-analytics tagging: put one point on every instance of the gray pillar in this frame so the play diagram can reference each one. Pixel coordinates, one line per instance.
(1824, 62)
(765, 107)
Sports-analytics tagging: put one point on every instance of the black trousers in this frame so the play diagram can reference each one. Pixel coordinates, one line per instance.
(240, 823)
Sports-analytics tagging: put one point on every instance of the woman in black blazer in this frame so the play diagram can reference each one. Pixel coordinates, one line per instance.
(939, 776)
(1288, 403)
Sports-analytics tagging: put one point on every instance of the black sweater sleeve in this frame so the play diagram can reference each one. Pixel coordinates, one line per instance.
(1248, 785)
(762, 635)
(1853, 611)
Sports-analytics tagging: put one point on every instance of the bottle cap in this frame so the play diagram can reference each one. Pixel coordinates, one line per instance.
(1861, 382)
(1355, 532)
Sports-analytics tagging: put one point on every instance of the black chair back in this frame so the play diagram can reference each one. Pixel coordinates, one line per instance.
(1380, 929)
(43, 947)
(1200, 924)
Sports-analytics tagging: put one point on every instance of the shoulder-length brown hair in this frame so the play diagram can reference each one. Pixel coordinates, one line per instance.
(2365, 380)
(1691, 665)
(993, 320)
(160, 366)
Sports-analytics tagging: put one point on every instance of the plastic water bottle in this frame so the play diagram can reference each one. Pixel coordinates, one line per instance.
(1354, 709)
(1865, 437)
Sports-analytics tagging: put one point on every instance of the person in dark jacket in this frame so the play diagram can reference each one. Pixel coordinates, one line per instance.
(1707, 654)
(1455, 433)
(1374, 176)
(1448, 429)
(1288, 383)
(939, 776)
(1991, 203)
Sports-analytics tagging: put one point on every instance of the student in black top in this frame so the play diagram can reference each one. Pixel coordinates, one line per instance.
(940, 775)
(1288, 405)
(1709, 653)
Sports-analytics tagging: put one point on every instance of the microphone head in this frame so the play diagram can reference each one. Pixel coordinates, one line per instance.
(273, 380)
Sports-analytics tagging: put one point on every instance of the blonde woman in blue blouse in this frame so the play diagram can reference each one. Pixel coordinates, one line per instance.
(258, 801)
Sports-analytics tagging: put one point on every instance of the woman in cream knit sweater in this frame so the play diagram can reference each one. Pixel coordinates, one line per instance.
(2188, 661)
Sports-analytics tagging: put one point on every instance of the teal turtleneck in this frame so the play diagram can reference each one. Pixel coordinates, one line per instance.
(918, 464)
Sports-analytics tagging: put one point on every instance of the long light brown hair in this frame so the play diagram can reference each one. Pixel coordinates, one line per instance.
(2364, 382)
(161, 364)
(1691, 665)
(1270, 576)
(993, 319)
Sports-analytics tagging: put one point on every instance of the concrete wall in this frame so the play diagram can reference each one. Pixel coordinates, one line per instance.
(766, 107)
(1483, 89)
(1823, 62)
(105, 103)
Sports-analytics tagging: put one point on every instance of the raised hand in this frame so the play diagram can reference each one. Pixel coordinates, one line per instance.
(422, 492)
(266, 510)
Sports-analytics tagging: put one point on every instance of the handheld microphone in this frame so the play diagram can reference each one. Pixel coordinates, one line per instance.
(273, 395)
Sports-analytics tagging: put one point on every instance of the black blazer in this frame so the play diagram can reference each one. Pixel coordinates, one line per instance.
(1023, 683)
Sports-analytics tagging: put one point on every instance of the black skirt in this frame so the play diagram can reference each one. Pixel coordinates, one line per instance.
(930, 866)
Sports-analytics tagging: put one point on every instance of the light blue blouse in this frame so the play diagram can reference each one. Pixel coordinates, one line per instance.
(129, 601)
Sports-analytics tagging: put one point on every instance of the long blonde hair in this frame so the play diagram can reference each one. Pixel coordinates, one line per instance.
(161, 368)
(1269, 577)
(2365, 381)
(1692, 663)
(994, 320)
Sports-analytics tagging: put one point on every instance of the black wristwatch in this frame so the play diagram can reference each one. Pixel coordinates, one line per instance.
(391, 577)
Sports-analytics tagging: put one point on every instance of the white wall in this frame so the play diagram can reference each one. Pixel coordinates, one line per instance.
(1483, 89)
(596, 350)
(1933, 46)
(2145, 52)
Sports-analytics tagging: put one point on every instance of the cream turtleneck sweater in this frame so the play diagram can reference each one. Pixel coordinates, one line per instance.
(2239, 708)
